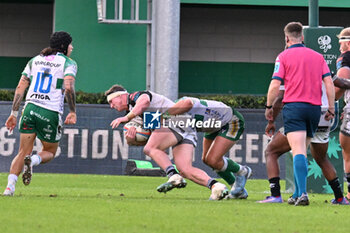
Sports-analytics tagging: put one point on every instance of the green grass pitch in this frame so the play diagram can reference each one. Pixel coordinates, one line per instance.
(96, 203)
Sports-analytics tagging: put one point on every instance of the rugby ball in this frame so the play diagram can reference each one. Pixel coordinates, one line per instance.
(142, 134)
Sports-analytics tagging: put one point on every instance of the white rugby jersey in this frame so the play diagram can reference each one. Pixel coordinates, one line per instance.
(46, 75)
(205, 110)
(160, 102)
(157, 102)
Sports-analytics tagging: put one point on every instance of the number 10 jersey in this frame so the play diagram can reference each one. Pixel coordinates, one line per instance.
(46, 75)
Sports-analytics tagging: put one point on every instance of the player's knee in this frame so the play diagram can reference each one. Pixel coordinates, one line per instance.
(23, 152)
(320, 160)
(271, 153)
(212, 162)
(268, 151)
(147, 150)
(204, 159)
(185, 172)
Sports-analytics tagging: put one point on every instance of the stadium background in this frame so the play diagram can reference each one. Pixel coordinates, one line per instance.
(226, 47)
(233, 42)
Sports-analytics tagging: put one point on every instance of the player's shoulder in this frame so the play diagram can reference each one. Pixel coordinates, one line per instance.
(30, 62)
(343, 60)
(346, 55)
(68, 60)
(135, 95)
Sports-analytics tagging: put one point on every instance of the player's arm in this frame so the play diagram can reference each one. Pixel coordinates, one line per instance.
(271, 97)
(130, 136)
(142, 103)
(328, 82)
(343, 74)
(182, 106)
(277, 104)
(69, 86)
(342, 83)
(19, 93)
(135, 143)
(276, 107)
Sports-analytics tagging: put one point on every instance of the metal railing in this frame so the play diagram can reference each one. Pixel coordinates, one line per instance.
(119, 9)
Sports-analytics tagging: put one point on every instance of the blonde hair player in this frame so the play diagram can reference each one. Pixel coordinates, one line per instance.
(181, 140)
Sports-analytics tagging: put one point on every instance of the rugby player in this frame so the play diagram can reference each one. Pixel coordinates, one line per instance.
(181, 140)
(50, 77)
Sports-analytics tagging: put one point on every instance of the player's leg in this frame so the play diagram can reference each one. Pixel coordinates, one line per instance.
(319, 153)
(159, 141)
(46, 155)
(345, 144)
(344, 139)
(214, 158)
(183, 154)
(208, 140)
(25, 148)
(276, 147)
(220, 143)
(225, 167)
(49, 130)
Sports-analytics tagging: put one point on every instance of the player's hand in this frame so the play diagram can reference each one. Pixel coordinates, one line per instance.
(342, 116)
(116, 122)
(270, 129)
(130, 134)
(269, 114)
(71, 118)
(329, 115)
(11, 122)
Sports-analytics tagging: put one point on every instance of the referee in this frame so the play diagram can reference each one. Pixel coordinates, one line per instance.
(302, 71)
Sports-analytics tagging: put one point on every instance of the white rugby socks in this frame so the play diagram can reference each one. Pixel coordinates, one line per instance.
(36, 160)
(11, 181)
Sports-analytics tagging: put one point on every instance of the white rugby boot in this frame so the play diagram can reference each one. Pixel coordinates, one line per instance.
(218, 192)
(175, 181)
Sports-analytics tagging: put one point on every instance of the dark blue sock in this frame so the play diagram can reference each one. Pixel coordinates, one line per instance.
(170, 171)
(300, 172)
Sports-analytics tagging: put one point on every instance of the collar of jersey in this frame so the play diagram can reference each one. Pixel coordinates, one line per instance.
(296, 46)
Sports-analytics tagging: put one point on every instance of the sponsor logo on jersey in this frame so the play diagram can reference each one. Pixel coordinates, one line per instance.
(48, 129)
(40, 96)
(39, 116)
(47, 63)
(50, 58)
(26, 127)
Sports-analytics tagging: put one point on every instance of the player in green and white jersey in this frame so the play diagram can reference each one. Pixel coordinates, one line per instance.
(223, 126)
(50, 78)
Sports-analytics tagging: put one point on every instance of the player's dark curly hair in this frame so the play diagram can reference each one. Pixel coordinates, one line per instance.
(59, 42)
(114, 88)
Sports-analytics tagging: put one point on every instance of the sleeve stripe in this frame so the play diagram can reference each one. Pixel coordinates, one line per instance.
(69, 74)
(326, 74)
(278, 78)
